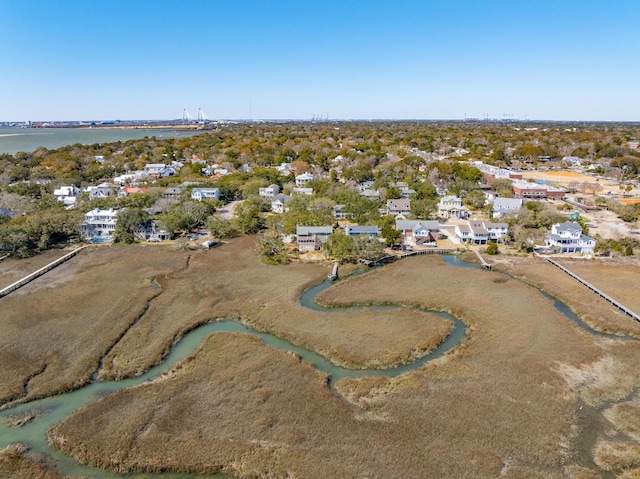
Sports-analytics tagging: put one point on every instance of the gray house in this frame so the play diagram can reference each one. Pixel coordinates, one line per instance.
(361, 231)
(311, 238)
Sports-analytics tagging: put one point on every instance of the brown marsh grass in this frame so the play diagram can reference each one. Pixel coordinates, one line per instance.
(594, 310)
(56, 329)
(229, 283)
(499, 405)
(15, 465)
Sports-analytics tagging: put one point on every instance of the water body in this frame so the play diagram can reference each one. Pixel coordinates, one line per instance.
(13, 140)
(57, 408)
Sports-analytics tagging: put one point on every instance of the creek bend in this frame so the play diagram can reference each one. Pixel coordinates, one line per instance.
(48, 411)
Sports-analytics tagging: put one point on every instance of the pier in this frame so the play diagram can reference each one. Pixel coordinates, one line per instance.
(485, 265)
(392, 257)
(36, 274)
(603, 295)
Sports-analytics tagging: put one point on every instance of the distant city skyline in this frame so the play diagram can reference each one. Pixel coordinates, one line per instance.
(104, 61)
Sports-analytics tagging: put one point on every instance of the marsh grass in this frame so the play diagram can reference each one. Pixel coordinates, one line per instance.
(496, 405)
(615, 456)
(53, 338)
(14, 464)
(593, 309)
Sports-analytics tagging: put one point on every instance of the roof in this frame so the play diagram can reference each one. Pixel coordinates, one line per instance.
(362, 229)
(399, 204)
(404, 225)
(569, 226)
(313, 230)
(508, 203)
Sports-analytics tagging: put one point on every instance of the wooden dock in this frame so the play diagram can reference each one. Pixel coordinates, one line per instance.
(393, 257)
(485, 265)
(39, 272)
(603, 295)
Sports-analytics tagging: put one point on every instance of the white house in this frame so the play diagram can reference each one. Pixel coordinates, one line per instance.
(279, 203)
(200, 194)
(67, 195)
(567, 237)
(481, 232)
(103, 190)
(99, 224)
(503, 206)
(302, 191)
(269, 191)
(303, 179)
(400, 206)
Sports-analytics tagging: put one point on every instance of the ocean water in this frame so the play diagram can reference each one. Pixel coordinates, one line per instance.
(13, 140)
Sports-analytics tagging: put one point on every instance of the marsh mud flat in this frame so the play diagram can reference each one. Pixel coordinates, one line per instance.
(44, 413)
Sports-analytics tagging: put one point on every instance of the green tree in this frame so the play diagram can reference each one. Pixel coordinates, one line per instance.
(221, 227)
(391, 235)
(339, 246)
(492, 248)
(127, 221)
(272, 249)
(475, 199)
(248, 218)
(367, 247)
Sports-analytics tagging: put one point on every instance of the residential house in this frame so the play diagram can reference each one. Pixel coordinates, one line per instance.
(200, 194)
(450, 207)
(311, 238)
(269, 191)
(303, 179)
(503, 206)
(481, 232)
(67, 195)
(99, 224)
(339, 213)
(418, 232)
(302, 191)
(567, 237)
(131, 190)
(151, 232)
(172, 193)
(399, 206)
(103, 190)
(279, 203)
(356, 230)
(405, 190)
(160, 169)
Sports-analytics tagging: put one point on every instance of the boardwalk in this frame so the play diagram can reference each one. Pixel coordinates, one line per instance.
(38, 273)
(485, 265)
(603, 295)
(393, 257)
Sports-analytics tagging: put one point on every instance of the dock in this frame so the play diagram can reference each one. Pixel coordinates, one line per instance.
(39, 272)
(485, 265)
(600, 293)
(393, 257)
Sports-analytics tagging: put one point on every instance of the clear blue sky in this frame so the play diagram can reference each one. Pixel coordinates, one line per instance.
(425, 59)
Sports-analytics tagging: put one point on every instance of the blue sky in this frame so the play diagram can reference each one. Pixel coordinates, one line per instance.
(139, 59)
